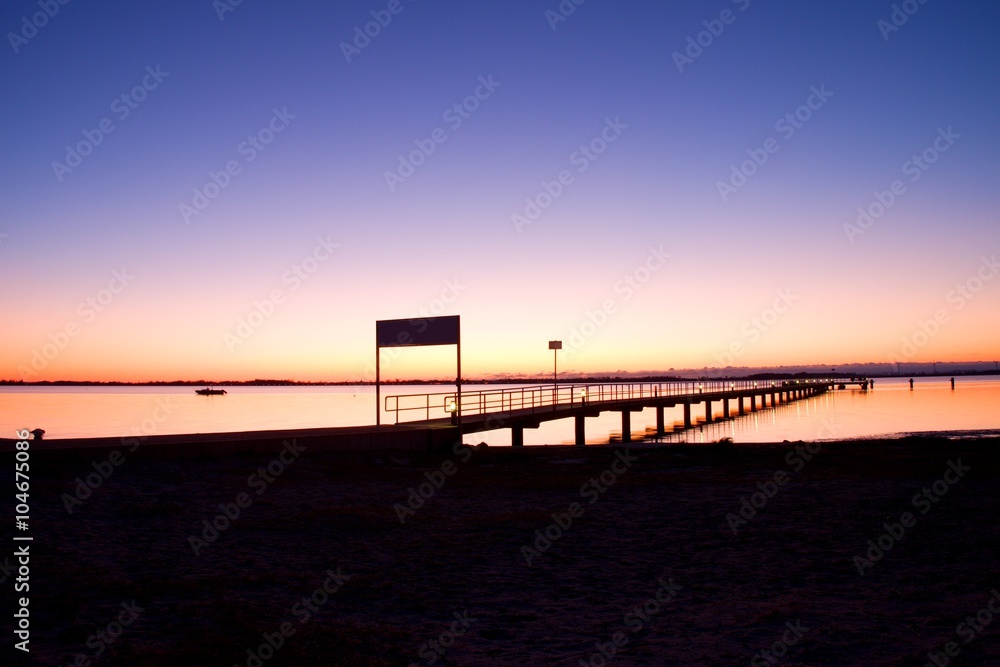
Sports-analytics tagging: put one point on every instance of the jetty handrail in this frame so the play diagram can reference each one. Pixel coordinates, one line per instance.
(550, 397)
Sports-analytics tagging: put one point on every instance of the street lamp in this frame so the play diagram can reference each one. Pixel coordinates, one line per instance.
(555, 346)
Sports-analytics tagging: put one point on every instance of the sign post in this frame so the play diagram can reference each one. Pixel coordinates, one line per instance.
(416, 333)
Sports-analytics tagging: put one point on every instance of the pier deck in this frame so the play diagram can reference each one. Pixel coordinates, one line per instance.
(527, 407)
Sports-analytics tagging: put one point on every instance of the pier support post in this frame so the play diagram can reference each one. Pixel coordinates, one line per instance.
(725, 408)
(753, 402)
(660, 429)
(740, 405)
(626, 426)
(687, 415)
(517, 436)
(581, 435)
(708, 412)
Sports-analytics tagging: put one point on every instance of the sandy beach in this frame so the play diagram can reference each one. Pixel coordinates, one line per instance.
(700, 555)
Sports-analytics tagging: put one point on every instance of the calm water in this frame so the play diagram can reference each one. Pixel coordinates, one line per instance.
(64, 412)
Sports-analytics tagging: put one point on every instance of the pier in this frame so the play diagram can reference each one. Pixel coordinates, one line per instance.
(521, 408)
(430, 422)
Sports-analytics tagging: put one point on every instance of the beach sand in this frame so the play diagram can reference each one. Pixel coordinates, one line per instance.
(650, 570)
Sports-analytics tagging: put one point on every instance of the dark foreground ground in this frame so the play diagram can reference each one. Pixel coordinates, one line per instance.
(649, 571)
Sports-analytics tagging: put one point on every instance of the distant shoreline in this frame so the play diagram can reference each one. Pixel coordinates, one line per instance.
(481, 381)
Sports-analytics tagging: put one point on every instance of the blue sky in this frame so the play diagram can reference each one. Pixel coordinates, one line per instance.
(344, 125)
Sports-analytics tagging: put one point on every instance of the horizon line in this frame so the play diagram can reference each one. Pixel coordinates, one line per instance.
(512, 378)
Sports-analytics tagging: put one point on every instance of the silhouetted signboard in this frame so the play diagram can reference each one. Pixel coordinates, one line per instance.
(414, 333)
(555, 344)
(419, 331)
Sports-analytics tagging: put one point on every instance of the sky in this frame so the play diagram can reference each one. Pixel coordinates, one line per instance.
(238, 191)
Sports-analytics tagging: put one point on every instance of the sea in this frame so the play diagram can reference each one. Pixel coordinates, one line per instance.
(891, 408)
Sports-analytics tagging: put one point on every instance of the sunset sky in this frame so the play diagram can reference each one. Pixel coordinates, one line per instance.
(212, 190)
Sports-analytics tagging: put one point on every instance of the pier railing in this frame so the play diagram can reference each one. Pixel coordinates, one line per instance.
(551, 397)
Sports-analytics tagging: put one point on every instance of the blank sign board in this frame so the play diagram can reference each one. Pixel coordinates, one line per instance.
(418, 331)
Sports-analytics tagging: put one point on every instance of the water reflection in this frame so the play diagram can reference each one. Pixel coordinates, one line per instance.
(891, 408)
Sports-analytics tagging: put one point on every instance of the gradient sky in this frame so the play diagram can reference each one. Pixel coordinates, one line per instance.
(444, 240)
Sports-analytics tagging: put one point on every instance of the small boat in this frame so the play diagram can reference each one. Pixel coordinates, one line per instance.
(210, 392)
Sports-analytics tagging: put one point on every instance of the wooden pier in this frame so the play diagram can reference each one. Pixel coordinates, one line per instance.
(523, 408)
